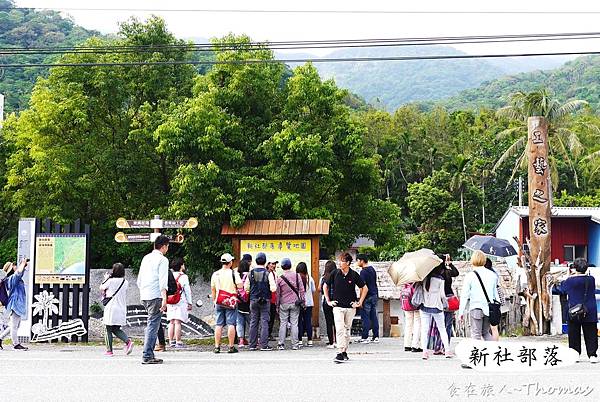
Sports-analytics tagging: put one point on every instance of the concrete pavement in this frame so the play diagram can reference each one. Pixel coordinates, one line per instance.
(376, 372)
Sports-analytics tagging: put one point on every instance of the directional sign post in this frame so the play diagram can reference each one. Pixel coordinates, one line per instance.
(157, 224)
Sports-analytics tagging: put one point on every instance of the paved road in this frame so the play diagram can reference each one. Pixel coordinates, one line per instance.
(382, 372)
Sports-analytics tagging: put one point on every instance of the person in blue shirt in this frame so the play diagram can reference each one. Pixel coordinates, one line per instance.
(580, 289)
(368, 313)
(16, 308)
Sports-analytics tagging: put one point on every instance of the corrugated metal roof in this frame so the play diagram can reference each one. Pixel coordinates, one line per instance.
(566, 212)
(280, 227)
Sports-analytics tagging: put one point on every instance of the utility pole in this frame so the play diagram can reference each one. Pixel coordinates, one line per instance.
(1, 109)
(520, 191)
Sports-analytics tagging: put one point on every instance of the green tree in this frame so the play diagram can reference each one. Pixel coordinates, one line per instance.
(458, 183)
(564, 142)
(436, 213)
(86, 149)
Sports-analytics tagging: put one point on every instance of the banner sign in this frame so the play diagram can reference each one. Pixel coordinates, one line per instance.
(297, 250)
(60, 258)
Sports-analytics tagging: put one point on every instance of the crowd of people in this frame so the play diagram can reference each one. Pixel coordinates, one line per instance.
(250, 298)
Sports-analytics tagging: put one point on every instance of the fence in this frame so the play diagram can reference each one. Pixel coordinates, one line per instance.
(73, 299)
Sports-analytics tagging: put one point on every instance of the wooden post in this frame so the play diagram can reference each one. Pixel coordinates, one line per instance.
(540, 200)
(314, 254)
(387, 321)
(235, 245)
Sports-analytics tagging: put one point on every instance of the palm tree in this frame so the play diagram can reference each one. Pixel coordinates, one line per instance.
(45, 305)
(458, 183)
(562, 140)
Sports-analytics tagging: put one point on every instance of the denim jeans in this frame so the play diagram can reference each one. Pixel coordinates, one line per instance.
(368, 315)
(305, 324)
(240, 325)
(449, 318)
(154, 316)
(259, 315)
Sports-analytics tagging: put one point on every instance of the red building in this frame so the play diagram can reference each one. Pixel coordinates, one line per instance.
(575, 231)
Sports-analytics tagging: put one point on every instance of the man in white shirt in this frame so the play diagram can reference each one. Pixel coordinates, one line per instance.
(153, 282)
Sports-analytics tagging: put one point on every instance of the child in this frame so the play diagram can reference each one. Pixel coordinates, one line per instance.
(115, 312)
(178, 313)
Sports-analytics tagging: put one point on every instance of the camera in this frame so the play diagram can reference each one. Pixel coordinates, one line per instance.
(262, 300)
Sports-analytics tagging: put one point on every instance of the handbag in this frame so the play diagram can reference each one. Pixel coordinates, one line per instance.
(406, 295)
(299, 302)
(107, 300)
(226, 299)
(418, 297)
(243, 295)
(176, 297)
(453, 303)
(578, 312)
(495, 315)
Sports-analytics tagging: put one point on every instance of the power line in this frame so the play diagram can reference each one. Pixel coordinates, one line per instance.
(300, 45)
(298, 11)
(298, 60)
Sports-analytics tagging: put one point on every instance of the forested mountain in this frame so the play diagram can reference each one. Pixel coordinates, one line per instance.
(21, 28)
(576, 79)
(393, 83)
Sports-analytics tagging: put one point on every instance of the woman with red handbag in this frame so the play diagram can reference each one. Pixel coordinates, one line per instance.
(449, 271)
(453, 302)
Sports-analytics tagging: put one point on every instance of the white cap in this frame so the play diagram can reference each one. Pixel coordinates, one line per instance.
(227, 258)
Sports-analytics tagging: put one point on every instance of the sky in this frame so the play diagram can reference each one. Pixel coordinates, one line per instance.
(451, 18)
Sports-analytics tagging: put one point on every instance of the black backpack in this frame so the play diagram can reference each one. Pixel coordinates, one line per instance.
(172, 284)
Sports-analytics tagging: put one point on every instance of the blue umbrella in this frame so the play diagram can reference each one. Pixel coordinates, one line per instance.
(491, 245)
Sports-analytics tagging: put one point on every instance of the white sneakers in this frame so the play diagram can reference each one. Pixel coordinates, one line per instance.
(593, 359)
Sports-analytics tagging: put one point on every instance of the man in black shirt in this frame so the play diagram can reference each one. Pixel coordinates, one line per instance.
(344, 282)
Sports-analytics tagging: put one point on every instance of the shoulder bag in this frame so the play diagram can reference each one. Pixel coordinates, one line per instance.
(578, 312)
(418, 297)
(226, 299)
(494, 306)
(243, 295)
(299, 302)
(107, 300)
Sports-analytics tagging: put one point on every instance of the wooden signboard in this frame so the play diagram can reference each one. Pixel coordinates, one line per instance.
(540, 203)
(297, 239)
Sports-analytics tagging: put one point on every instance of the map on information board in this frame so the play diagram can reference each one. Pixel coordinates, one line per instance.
(60, 258)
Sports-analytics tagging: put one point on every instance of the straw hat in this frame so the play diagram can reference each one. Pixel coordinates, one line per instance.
(8, 267)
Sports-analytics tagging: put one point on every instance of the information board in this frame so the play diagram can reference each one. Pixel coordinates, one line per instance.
(297, 250)
(60, 258)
